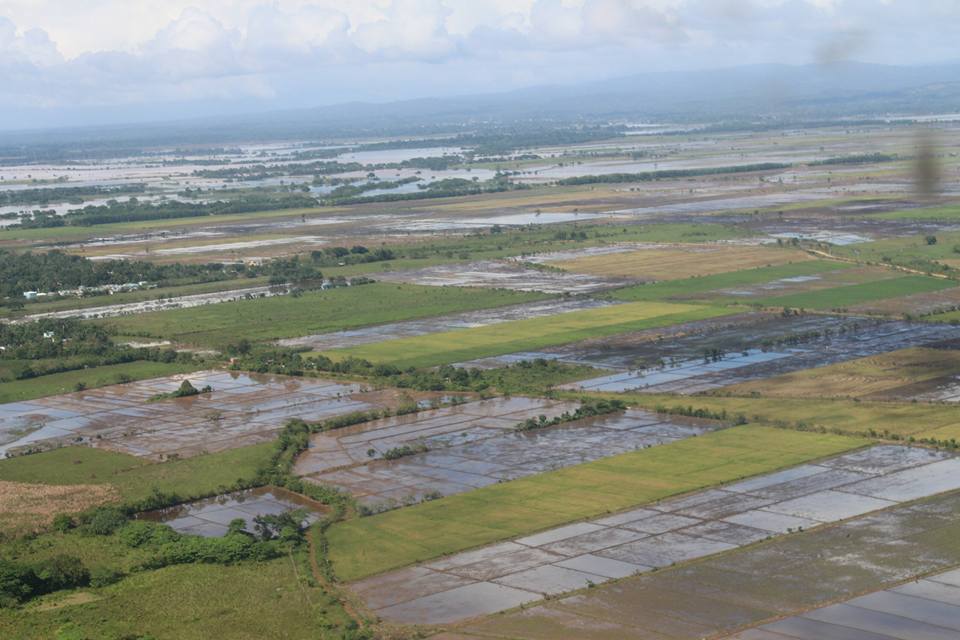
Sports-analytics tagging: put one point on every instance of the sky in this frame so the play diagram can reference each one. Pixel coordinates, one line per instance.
(68, 62)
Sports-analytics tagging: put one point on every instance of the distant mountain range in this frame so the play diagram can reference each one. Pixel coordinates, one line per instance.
(775, 92)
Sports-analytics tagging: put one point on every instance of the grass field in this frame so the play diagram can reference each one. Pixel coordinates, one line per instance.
(870, 377)
(133, 477)
(365, 546)
(907, 250)
(947, 213)
(694, 288)
(71, 479)
(676, 262)
(27, 508)
(526, 335)
(247, 601)
(854, 294)
(315, 312)
(66, 382)
(953, 317)
(903, 419)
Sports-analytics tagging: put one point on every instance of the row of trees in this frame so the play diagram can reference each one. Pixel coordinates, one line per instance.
(134, 210)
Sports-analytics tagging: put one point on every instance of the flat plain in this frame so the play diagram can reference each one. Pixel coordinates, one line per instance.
(685, 384)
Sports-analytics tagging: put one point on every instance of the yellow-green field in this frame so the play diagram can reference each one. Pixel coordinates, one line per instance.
(900, 419)
(870, 377)
(370, 545)
(527, 335)
(675, 262)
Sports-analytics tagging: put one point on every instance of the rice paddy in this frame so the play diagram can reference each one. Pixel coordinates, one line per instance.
(393, 539)
(682, 261)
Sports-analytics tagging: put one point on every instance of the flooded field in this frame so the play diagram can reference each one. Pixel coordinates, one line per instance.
(659, 535)
(146, 306)
(724, 594)
(469, 458)
(503, 275)
(242, 409)
(211, 516)
(446, 426)
(924, 608)
(717, 354)
(470, 319)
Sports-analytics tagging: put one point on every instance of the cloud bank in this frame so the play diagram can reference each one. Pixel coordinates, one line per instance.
(68, 56)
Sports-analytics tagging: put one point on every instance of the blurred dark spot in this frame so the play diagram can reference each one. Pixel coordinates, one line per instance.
(926, 166)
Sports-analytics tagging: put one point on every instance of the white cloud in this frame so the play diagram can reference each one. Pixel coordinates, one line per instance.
(129, 51)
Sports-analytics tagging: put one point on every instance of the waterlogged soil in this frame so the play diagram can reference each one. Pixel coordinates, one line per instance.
(702, 356)
(242, 409)
(146, 306)
(469, 458)
(359, 444)
(724, 593)
(504, 275)
(926, 608)
(211, 517)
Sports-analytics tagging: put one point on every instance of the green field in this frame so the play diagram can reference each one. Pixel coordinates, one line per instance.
(248, 601)
(526, 335)
(134, 477)
(66, 382)
(854, 294)
(262, 319)
(947, 212)
(910, 251)
(690, 288)
(953, 317)
(365, 546)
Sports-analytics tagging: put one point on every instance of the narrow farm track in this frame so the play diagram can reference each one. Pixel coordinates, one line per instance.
(894, 267)
(321, 579)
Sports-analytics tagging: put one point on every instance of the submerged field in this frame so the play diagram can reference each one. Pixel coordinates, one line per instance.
(377, 543)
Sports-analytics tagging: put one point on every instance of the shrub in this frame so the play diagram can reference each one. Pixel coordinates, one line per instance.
(17, 583)
(103, 576)
(63, 523)
(139, 533)
(103, 521)
(62, 572)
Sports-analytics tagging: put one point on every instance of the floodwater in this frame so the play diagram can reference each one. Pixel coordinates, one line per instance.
(211, 516)
(659, 535)
(146, 306)
(787, 576)
(243, 409)
(645, 362)
(503, 275)
(467, 422)
(468, 459)
(924, 608)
